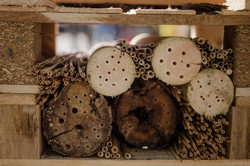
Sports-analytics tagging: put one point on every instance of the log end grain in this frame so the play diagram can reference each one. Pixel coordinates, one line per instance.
(110, 72)
(176, 60)
(211, 92)
(75, 123)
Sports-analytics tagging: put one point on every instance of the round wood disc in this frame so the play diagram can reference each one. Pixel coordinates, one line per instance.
(211, 92)
(77, 123)
(176, 60)
(146, 115)
(110, 72)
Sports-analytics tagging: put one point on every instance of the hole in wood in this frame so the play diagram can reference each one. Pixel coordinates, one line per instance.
(68, 146)
(198, 81)
(174, 63)
(97, 67)
(168, 73)
(209, 106)
(101, 124)
(69, 99)
(169, 50)
(181, 76)
(79, 127)
(74, 110)
(183, 53)
(188, 65)
(221, 80)
(218, 100)
(200, 86)
(100, 76)
(112, 55)
(155, 100)
(107, 61)
(109, 72)
(106, 79)
(181, 61)
(61, 120)
(118, 62)
(113, 84)
(55, 130)
(76, 97)
(123, 69)
(94, 129)
(126, 79)
(97, 136)
(87, 137)
(113, 69)
(161, 60)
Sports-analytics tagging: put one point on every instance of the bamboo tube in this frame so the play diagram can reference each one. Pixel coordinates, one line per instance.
(100, 154)
(142, 56)
(105, 149)
(147, 66)
(107, 155)
(118, 155)
(141, 62)
(150, 74)
(122, 42)
(149, 58)
(116, 144)
(145, 77)
(142, 70)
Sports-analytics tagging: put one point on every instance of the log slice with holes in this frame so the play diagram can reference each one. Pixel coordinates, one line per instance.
(77, 123)
(211, 92)
(146, 115)
(176, 60)
(110, 72)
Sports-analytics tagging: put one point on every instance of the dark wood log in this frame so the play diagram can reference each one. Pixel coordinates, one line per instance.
(146, 115)
(77, 123)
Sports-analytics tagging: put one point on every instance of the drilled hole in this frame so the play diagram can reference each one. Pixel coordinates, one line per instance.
(74, 110)
(106, 79)
(87, 137)
(109, 72)
(155, 100)
(169, 50)
(168, 73)
(174, 63)
(118, 62)
(123, 69)
(181, 76)
(61, 120)
(201, 96)
(218, 100)
(222, 100)
(181, 61)
(100, 76)
(68, 146)
(76, 97)
(113, 69)
(98, 136)
(84, 112)
(112, 56)
(87, 146)
(183, 53)
(216, 97)
(126, 79)
(64, 113)
(161, 60)
(221, 80)
(107, 61)
(97, 67)
(84, 95)
(209, 106)
(101, 125)
(113, 84)
(188, 65)
(62, 104)
(79, 127)
(94, 129)
(198, 81)
(200, 86)
(69, 99)
(55, 130)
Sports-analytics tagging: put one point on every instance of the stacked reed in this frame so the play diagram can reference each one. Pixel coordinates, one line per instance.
(112, 148)
(142, 56)
(213, 57)
(57, 72)
(199, 137)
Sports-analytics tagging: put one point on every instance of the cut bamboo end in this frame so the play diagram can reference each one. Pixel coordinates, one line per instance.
(211, 92)
(127, 156)
(176, 60)
(100, 154)
(110, 72)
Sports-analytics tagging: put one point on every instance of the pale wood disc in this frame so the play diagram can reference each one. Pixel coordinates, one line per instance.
(176, 60)
(211, 92)
(110, 72)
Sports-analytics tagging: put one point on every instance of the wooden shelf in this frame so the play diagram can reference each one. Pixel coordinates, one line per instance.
(81, 162)
(115, 16)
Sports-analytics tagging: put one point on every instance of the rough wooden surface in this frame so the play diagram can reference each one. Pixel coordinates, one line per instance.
(240, 133)
(62, 9)
(77, 123)
(33, 89)
(164, 11)
(242, 92)
(152, 19)
(18, 99)
(94, 162)
(146, 115)
(110, 71)
(237, 38)
(211, 92)
(141, 2)
(176, 60)
(27, 3)
(20, 131)
(19, 51)
(242, 101)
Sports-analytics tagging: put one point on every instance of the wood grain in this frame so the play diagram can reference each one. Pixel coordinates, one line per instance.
(242, 92)
(94, 162)
(237, 38)
(32, 89)
(62, 9)
(242, 101)
(17, 99)
(48, 3)
(240, 144)
(141, 2)
(162, 11)
(152, 19)
(20, 131)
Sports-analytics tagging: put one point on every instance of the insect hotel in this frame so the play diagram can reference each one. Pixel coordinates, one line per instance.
(172, 100)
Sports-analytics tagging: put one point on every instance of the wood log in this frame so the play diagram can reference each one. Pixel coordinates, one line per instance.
(77, 123)
(211, 92)
(110, 72)
(146, 115)
(176, 60)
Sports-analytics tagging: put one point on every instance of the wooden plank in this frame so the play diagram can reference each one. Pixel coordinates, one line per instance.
(141, 2)
(89, 10)
(242, 92)
(24, 9)
(20, 131)
(164, 11)
(239, 133)
(237, 38)
(101, 162)
(33, 89)
(238, 5)
(242, 101)
(48, 3)
(18, 99)
(233, 12)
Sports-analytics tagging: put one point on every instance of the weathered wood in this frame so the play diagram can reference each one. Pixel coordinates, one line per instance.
(77, 123)
(237, 38)
(94, 162)
(25, 9)
(211, 92)
(242, 101)
(19, 50)
(240, 142)
(146, 115)
(88, 10)
(33, 89)
(164, 11)
(18, 99)
(153, 19)
(28, 3)
(176, 60)
(110, 71)
(242, 92)
(20, 131)
(141, 2)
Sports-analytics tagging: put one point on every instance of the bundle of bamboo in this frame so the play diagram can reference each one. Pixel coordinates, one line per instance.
(215, 58)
